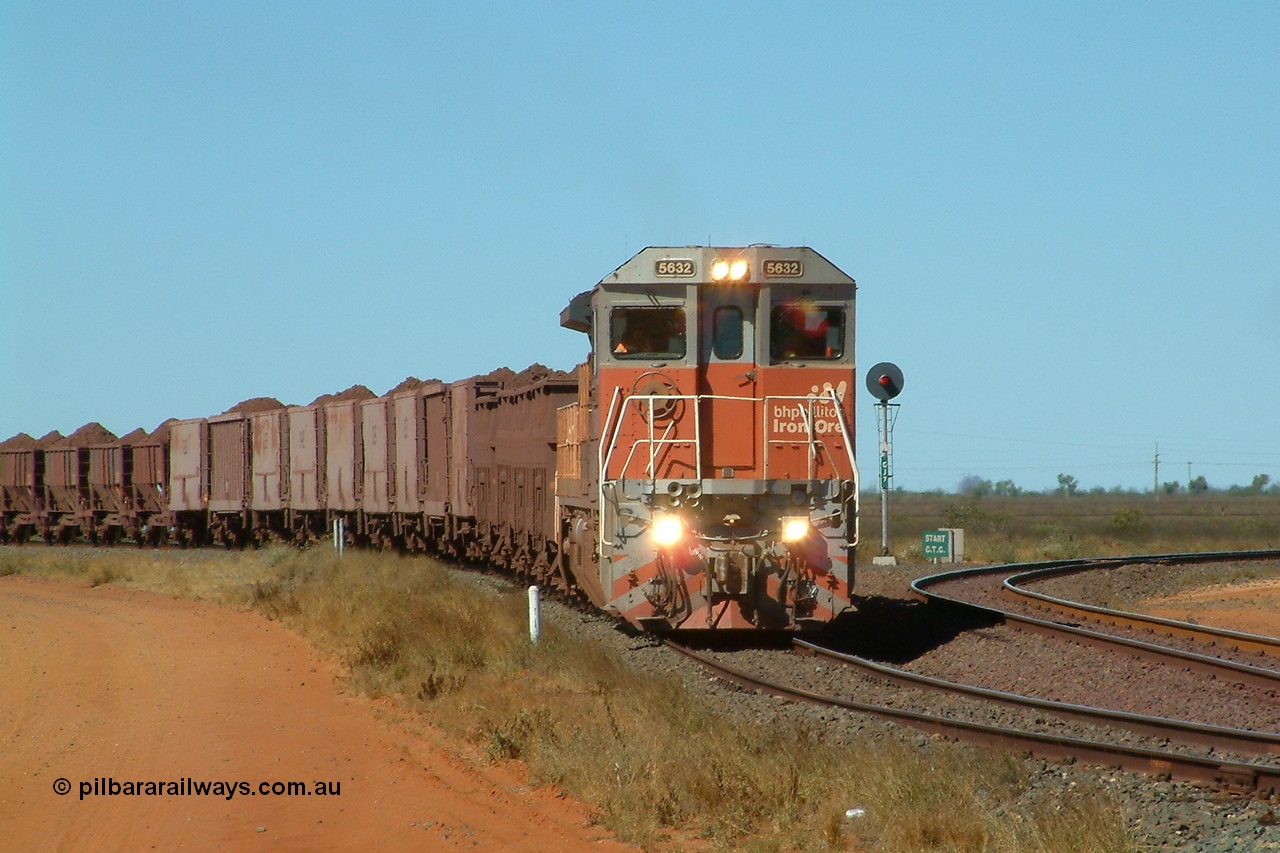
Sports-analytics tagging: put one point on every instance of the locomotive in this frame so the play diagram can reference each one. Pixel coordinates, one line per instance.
(696, 472)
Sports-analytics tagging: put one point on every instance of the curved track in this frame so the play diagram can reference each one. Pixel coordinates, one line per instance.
(992, 591)
(1262, 779)
(1015, 585)
(1180, 731)
(996, 594)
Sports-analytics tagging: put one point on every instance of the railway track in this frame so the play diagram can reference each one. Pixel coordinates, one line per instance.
(1016, 585)
(1182, 731)
(1205, 770)
(1168, 744)
(998, 592)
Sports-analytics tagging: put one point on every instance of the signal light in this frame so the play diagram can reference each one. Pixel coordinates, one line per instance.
(884, 381)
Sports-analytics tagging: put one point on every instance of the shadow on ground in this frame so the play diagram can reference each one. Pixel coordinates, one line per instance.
(897, 630)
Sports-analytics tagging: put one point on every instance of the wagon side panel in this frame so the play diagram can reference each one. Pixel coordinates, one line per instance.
(342, 453)
(269, 433)
(436, 463)
(307, 458)
(188, 465)
(410, 447)
(377, 432)
(21, 477)
(110, 476)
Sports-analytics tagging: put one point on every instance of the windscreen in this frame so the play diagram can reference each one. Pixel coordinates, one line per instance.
(647, 333)
(803, 331)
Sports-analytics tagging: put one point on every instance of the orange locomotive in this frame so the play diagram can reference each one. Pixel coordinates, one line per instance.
(706, 475)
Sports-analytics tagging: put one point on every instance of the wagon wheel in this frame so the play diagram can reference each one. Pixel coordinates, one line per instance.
(655, 384)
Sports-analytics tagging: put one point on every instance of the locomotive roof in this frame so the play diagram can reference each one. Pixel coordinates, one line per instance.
(643, 267)
(680, 266)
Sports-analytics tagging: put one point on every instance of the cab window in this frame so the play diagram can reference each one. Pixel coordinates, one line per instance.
(647, 333)
(726, 332)
(803, 331)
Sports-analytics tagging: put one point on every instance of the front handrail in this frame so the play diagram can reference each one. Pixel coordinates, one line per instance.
(654, 443)
(657, 444)
(809, 420)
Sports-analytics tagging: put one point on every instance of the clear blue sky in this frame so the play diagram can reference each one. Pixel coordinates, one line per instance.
(1064, 218)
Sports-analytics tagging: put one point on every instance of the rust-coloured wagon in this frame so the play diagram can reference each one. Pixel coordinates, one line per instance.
(21, 488)
(305, 516)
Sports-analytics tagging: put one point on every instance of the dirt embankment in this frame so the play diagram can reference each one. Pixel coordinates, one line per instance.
(110, 684)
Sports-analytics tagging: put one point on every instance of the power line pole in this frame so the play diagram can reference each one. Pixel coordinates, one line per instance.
(1155, 488)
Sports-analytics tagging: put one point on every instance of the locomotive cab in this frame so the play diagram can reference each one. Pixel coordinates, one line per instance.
(718, 488)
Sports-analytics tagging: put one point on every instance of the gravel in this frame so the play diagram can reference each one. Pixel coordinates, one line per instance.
(1162, 816)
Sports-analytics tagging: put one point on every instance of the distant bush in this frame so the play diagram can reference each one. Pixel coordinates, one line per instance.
(1129, 522)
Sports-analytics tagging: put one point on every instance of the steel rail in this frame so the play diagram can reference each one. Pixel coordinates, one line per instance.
(1182, 731)
(1207, 771)
(1128, 619)
(1267, 679)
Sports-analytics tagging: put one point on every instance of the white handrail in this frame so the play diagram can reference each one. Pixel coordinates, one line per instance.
(655, 443)
(604, 452)
(809, 419)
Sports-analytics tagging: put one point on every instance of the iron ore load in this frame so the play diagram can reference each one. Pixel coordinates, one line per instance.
(696, 472)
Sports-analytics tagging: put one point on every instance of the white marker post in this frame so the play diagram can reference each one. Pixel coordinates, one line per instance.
(535, 617)
(339, 535)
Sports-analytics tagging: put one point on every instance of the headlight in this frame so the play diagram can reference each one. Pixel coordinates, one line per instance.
(730, 269)
(795, 529)
(666, 530)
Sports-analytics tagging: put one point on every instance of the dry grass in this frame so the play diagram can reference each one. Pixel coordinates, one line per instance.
(1029, 528)
(653, 759)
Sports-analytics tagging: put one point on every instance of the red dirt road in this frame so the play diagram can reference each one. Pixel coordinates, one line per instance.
(108, 683)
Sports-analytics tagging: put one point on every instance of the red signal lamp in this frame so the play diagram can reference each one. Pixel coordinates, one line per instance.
(884, 381)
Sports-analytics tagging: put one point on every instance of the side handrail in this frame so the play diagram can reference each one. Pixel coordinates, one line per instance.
(652, 442)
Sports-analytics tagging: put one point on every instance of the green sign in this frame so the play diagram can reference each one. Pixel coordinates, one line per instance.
(884, 471)
(937, 543)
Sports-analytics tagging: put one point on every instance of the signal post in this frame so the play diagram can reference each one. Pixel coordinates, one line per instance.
(884, 381)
